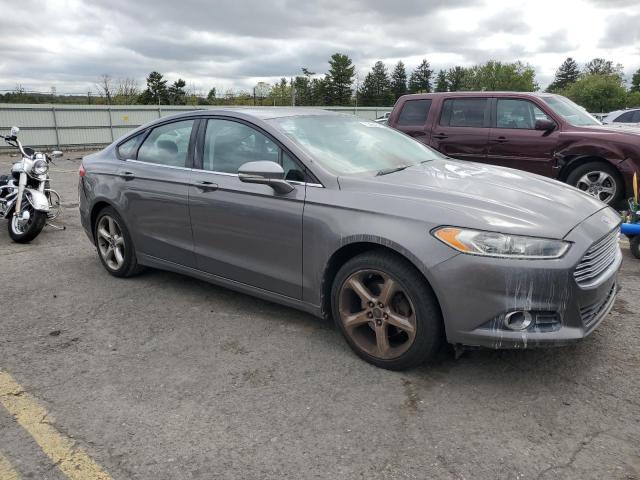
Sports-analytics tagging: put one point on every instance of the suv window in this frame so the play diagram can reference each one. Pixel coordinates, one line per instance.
(228, 145)
(627, 117)
(513, 113)
(464, 112)
(414, 112)
(127, 149)
(167, 144)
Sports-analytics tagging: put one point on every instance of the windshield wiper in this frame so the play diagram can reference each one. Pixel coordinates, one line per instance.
(386, 171)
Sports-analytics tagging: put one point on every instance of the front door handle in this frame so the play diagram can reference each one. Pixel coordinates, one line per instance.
(127, 175)
(440, 136)
(206, 186)
(501, 140)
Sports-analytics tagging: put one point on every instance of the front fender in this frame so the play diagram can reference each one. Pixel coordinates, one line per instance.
(37, 199)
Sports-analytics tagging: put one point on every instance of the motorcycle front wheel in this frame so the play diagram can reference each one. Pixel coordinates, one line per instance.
(23, 231)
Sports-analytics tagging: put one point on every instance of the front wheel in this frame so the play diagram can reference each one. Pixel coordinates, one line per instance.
(386, 311)
(27, 225)
(598, 179)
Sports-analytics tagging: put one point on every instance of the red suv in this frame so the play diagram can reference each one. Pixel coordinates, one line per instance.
(538, 132)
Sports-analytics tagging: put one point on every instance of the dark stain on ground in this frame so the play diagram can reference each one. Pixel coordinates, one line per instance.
(620, 306)
(411, 403)
(234, 346)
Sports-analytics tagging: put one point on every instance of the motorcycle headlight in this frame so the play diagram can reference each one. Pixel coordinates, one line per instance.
(494, 244)
(40, 167)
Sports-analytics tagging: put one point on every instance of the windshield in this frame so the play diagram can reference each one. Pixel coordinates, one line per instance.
(571, 112)
(347, 145)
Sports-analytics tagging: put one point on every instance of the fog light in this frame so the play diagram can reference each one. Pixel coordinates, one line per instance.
(518, 320)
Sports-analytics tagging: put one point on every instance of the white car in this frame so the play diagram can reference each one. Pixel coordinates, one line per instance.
(630, 115)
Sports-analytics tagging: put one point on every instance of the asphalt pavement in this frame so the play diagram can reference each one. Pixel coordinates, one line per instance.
(165, 377)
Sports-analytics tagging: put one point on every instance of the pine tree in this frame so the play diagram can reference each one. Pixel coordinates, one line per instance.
(339, 79)
(457, 77)
(211, 96)
(567, 73)
(635, 82)
(399, 80)
(376, 88)
(156, 91)
(442, 85)
(600, 66)
(420, 80)
(176, 92)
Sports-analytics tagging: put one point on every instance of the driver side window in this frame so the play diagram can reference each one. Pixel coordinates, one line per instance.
(520, 114)
(228, 145)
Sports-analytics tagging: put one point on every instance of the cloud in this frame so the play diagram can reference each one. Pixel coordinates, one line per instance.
(234, 43)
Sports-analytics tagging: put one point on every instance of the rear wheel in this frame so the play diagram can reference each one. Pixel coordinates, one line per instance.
(386, 311)
(598, 179)
(27, 225)
(114, 244)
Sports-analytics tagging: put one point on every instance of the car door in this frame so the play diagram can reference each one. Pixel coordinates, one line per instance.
(462, 131)
(155, 181)
(513, 140)
(412, 118)
(246, 232)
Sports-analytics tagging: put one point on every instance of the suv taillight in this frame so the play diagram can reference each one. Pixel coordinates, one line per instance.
(81, 171)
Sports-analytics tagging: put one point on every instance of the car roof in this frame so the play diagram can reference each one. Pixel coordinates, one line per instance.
(476, 94)
(262, 113)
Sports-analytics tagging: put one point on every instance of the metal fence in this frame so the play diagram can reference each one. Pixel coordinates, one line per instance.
(81, 126)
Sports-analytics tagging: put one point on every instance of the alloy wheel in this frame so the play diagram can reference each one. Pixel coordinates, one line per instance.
(377, 314)
(598, 184)
(111, 242)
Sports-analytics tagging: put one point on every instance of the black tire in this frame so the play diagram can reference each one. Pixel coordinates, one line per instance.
(38, 221)
(130, 265)
(586, 169)
(634, 242)
(429, 331)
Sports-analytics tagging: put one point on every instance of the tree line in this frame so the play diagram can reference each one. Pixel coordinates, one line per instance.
(598, 85)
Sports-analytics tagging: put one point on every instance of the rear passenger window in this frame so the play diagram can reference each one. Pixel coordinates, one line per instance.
(414, 112)
(167, 144)
(464, 112)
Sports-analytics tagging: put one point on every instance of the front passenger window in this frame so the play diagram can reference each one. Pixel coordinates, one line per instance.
(522, 114)
(167, 144)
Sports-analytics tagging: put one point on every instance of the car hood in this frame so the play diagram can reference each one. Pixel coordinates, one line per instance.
(633, 129)
(474, 195)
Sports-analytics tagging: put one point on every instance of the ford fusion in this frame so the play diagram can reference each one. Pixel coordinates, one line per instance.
(345, 218)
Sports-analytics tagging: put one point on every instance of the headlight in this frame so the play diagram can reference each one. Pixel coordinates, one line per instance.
(494, 244)
(40, 167)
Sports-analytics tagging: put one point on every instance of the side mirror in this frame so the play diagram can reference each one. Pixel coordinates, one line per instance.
(56, 154)
(545, 125)
(15, 131)
(265, 173)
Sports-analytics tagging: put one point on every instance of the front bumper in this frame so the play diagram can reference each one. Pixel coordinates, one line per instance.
(476, 293)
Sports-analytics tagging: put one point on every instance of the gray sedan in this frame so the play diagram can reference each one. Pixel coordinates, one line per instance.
(346, 218)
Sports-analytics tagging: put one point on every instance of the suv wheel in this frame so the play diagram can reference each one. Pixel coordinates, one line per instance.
(386, 311)
(114, 244)
(599, 180)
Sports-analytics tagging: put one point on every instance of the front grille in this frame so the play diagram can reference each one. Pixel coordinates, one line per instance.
(598, 258)
(590, 314)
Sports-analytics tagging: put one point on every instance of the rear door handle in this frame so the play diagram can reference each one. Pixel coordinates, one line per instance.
(440, 136)
(127, 175)
(206, 186)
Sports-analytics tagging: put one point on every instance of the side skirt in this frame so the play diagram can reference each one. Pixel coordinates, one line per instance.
(161, 264)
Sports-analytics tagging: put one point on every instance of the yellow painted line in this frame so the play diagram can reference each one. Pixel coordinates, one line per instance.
(6, 470)
(71, 459)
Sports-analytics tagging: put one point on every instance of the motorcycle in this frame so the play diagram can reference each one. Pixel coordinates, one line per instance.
(25, 197)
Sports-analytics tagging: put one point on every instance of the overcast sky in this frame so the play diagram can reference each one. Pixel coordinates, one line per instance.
(236, 43)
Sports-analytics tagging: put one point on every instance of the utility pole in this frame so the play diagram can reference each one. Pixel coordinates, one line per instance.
(293, 93)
